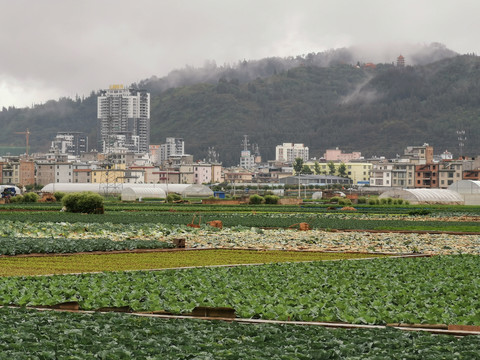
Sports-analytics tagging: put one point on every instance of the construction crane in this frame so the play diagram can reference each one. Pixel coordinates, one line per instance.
(27, 137)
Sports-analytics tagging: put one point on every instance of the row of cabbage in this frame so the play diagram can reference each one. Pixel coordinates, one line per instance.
(443, 289)
(48, 237)
(434, 210)
(17, 246)
(28, 334)
(325, 221)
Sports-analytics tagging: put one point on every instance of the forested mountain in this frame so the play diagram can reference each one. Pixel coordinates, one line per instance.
(378, 111)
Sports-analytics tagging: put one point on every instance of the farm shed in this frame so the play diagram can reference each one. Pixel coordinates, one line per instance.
(469, 190)
(132, 194)
(425, 196)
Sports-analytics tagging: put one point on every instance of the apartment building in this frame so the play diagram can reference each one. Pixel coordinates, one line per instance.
(288, 152)
(124, 119)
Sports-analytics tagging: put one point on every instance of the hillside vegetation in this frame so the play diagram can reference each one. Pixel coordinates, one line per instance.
(377, 111)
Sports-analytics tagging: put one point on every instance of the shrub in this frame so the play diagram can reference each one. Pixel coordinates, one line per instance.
(362, 200)
(384, 201)
(83, 202)
(399, 201)
(372, 202)
(335, 199)
(59, 195)
(271, 199)
(256, 199)
(30, 197)
(16, 199)
(344, 202)
(172, 197)
(389, 201)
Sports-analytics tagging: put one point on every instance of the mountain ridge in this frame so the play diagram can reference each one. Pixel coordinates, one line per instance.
(377, 111)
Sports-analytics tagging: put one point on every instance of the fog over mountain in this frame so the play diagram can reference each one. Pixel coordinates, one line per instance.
(245, 70)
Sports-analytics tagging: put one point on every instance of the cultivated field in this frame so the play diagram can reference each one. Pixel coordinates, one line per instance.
(367, 270)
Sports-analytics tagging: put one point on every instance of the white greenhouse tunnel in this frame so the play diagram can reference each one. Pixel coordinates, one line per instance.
(425, 196)
(469, 190)
(185, 190)
(133, 194)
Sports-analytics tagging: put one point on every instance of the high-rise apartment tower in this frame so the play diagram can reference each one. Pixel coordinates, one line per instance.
(124, 119)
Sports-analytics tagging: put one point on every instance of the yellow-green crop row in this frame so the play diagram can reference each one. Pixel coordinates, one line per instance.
(17, 266)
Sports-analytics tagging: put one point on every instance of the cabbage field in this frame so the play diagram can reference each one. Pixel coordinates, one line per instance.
(30, 334)
(303, 285)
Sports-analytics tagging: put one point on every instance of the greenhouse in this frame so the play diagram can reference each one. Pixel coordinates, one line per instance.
(197, 190)
(139, 193)
(425, 196)
(99, 188)
(185, 190)
(469, 190)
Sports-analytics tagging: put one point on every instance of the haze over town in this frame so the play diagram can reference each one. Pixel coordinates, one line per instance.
(58, 48)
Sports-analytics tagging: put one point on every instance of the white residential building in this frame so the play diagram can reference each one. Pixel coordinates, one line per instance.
(288, 152)
(73, 143)
(247, 160)
(63, 172)
(172, 147)
(381, 175)
(202, 173)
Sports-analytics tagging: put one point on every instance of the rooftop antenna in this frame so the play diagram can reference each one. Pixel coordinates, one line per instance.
(27, 137)
(461, 141)
(245, 142)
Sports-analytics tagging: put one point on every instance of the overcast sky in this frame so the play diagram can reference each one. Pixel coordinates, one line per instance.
(55, 48)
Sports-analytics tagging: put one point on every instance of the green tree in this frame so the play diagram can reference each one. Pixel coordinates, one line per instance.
(331, 168)
(306, 170)
(342, 170)
(317, 169)
(298, 166)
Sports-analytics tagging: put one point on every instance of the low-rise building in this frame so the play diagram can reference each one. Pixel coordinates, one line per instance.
(45, 173)
(238, 177)
(315, 180)
(26, 172)
(339, 155)
(202, 173)
(403, 175)
(82, 175)
(381, 175)
(449, 172)
(426, 176)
